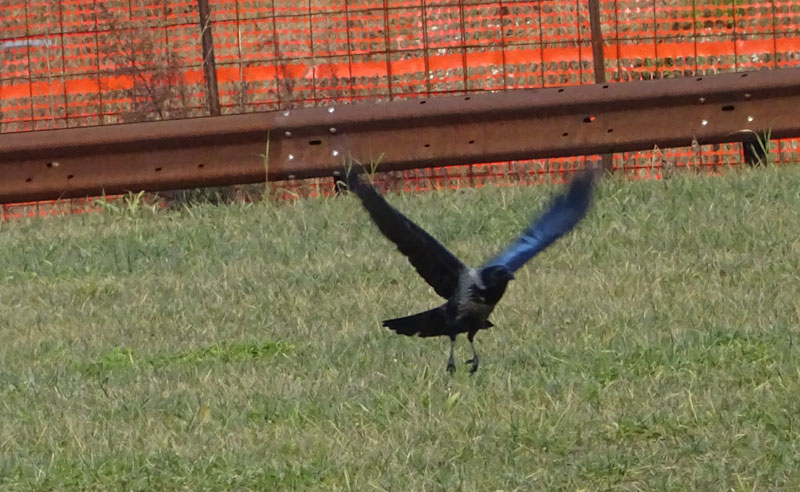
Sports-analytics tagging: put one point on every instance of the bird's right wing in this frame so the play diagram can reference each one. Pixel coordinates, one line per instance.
(563, 213)
(435, 263)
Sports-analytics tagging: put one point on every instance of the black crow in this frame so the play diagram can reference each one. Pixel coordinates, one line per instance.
(471, 293)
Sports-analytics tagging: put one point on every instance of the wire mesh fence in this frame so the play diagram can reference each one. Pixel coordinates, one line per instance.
(70, 63)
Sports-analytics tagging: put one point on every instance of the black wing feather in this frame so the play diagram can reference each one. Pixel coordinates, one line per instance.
(435, 263)
(564, 212)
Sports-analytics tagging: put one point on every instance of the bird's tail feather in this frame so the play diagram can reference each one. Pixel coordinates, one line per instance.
(425, 324)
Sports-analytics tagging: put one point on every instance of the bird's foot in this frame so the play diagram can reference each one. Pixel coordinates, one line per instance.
(451, 362)
(474, 362)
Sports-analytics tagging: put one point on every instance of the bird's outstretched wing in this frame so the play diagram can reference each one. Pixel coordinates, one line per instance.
(438, 266)
(564, 211)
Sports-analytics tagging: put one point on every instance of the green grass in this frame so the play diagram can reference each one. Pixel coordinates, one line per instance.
(239, 347)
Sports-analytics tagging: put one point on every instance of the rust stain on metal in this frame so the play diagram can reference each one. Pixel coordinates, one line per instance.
(552, 122)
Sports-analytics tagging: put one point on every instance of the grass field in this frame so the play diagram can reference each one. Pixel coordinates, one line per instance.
(239, 347)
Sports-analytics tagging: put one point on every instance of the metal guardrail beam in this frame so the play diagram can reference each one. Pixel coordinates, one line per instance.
(552, 122)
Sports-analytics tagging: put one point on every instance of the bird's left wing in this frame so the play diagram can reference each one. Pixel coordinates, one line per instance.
(435, 263)
(564, 211)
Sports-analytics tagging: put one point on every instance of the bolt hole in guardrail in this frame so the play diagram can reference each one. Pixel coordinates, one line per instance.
(427, 145)
(29, 180)
(728, 108)
(610, 130)
(70, 176)
(315, 142)
(471, 142)
(201, 166)
(158, 169)
(589, 119)
(565, 134)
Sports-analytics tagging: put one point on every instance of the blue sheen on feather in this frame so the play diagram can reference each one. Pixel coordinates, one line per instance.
(564, 212)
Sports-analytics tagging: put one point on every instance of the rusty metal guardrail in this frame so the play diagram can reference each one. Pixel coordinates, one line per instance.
(416, 133)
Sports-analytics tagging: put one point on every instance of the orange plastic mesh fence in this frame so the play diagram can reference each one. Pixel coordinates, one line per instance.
(69, 63)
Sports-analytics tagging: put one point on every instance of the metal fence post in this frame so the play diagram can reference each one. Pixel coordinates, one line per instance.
(209, 65)
(598, 56)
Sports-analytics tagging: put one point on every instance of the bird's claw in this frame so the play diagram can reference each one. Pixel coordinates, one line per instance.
(474, 363)
(451, 367)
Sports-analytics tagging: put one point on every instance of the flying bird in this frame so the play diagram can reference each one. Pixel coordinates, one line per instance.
(470, 293)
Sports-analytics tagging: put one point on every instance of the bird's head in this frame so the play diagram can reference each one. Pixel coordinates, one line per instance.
(495, 279)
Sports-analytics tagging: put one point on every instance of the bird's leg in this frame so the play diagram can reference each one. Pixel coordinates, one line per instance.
(474, 359)
(451, 364)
